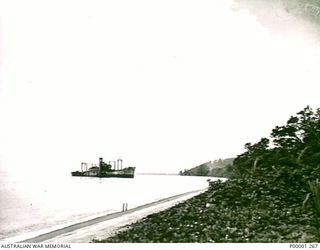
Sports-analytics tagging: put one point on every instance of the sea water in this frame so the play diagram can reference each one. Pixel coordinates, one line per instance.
(44, 202)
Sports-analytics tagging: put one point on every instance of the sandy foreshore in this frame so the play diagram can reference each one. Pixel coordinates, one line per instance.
(106, 226)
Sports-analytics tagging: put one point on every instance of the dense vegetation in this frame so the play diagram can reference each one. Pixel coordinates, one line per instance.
(284, 12)
(217, 168)
(296, 7)
(274, 196)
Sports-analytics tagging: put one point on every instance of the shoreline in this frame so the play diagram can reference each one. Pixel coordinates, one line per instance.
(105, 226)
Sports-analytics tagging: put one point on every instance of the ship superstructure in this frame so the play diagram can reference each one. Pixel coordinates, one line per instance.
(110, 169)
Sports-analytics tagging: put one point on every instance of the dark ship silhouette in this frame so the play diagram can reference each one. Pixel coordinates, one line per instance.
(105, 170)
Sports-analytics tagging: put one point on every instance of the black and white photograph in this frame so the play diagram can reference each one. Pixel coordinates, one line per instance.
(159, 121)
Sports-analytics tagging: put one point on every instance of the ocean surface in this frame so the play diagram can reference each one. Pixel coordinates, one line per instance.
(44, 203)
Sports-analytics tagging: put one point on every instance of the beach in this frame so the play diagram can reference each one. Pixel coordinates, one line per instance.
(32, 209)
(105, 226)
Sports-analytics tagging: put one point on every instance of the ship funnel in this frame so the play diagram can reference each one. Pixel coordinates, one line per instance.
(100, 162)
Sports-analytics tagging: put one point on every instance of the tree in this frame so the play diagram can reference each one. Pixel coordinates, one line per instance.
(247, 162)
(202, 170)
(296, 146)
(299, 139)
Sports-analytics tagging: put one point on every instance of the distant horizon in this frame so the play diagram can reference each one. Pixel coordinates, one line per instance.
(163, 85)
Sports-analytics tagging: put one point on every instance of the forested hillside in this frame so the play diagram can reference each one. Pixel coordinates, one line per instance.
(216, 168)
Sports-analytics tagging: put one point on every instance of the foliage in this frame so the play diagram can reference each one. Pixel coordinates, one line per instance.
(273, 197)
(295, 151)
(315, 191)
(306, 9)
(239, 210)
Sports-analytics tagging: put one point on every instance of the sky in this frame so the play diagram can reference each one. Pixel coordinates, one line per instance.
(165, 85)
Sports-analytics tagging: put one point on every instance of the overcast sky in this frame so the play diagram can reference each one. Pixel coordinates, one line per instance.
(165, 85)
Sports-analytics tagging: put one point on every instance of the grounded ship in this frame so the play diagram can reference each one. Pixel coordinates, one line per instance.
(105, 170)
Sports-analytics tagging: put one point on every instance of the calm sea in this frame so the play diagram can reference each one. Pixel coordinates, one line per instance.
(44, 203)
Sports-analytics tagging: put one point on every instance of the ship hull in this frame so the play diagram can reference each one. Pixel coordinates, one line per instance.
(125, 173)
(104, 175)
